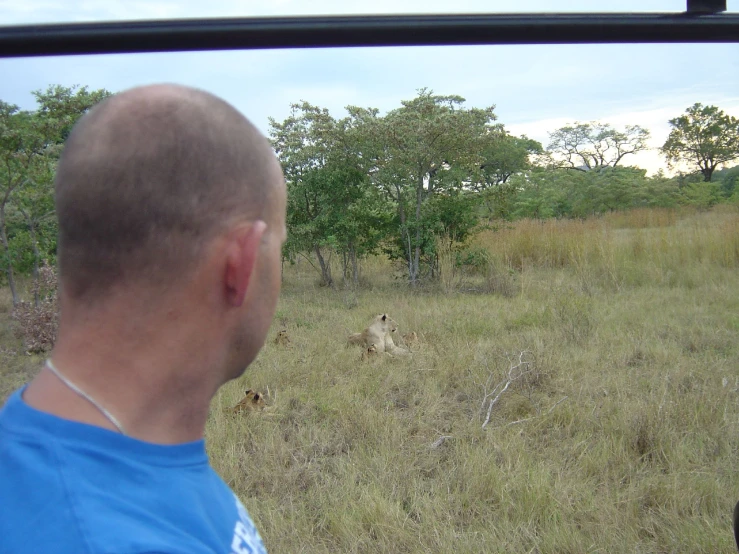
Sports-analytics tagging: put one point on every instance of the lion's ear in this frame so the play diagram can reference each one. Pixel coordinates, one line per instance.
(384, 317)
(246, 392)
(256, 396)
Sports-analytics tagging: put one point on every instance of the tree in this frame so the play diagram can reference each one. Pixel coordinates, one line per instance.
(35, 203)
(428, 146)
(30, 144)
(729, 179)
(609, 189)
(20, 145)
(703, 136)
(503, 156)
(587, 146)
(543, 193)
(331, 205)
(302, 143)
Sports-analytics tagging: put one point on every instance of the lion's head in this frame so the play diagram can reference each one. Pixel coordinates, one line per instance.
(370, 352)
(282, 338)
(385, 323)
(252, 401)
(410, 338)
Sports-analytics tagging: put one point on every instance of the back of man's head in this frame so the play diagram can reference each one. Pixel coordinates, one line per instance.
(146, 178)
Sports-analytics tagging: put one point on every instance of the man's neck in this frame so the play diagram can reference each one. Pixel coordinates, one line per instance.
(155, 381)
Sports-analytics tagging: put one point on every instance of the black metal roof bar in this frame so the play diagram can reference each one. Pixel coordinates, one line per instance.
(706, 6)
(356, 31)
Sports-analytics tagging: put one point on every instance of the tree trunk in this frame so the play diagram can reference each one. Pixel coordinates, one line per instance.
(406, 237)
(355, 267)
(409, 253)
(325, 268)
(344, 267)
(417, 252)
(8, 261)
(349, 257)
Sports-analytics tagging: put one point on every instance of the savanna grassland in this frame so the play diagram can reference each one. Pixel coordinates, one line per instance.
(619, 434)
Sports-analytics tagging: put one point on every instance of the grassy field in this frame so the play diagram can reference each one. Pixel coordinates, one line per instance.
(622, 435)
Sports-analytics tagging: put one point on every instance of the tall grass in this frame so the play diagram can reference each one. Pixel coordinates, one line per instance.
(623, 437)
(623, 249)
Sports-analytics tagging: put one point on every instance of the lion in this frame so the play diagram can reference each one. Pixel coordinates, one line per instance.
(370, 353)
(410, 338)
(252, 402)
(379, 335)
(393, 349)
(282, 339)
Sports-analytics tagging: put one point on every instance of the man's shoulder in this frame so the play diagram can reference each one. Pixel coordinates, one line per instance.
(35, 497)
(89, 489)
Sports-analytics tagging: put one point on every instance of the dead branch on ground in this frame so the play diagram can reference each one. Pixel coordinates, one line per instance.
(516, 371)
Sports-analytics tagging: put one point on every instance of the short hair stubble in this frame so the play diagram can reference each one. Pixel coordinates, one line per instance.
(146, 178)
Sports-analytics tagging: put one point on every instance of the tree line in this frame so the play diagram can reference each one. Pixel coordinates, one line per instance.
(405, 183)
(431, 171)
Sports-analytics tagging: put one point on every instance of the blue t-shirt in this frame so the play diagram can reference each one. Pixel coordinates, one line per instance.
(72, 488)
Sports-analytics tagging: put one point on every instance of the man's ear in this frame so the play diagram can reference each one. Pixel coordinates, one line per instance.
(241, 255)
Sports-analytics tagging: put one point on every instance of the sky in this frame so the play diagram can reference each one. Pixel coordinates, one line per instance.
(535, 89)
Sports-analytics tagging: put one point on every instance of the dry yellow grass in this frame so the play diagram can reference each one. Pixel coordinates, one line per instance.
(632, 319)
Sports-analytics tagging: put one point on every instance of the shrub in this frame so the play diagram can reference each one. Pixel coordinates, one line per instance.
(38, 321)
(474, 258)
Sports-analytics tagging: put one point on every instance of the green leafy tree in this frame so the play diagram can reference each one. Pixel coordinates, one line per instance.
(703, 137)
(702, 195)
(34, 202)
(609, 189)
(543, 193)
(503, 156)
(331, 205)
(547, 192)
(30, 144)
(729, 179)
(661, 191)
(428, 146)
(303, 142)
(21, 144)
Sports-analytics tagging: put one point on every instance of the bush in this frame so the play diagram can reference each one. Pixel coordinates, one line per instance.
(38, 323)
(474, 259)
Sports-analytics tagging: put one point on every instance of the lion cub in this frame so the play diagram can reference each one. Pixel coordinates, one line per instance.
(252, 402)
(379, 334)
(282, 339)
(370, 353)
(410, 338)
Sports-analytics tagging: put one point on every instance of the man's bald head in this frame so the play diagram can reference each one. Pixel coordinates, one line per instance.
(147, 177)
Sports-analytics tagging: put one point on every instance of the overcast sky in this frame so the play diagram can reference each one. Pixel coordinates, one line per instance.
(535, 89)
